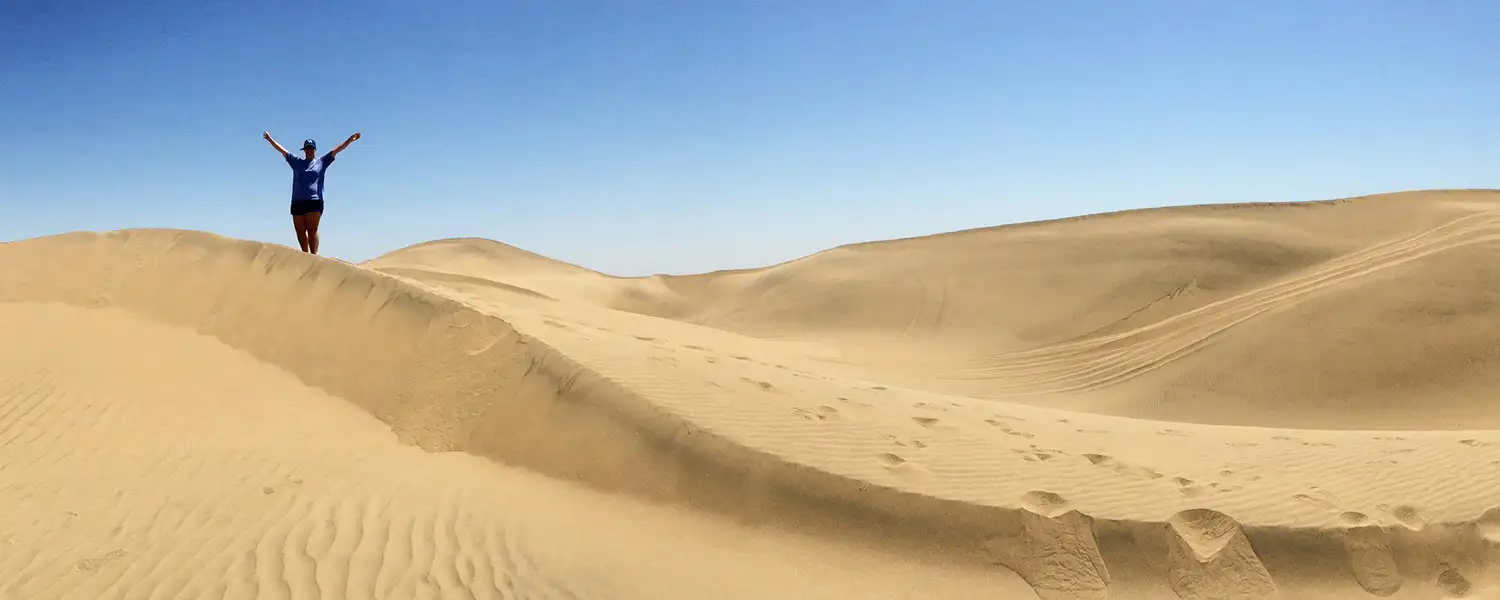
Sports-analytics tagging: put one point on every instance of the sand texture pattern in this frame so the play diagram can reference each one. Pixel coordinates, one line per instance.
(1291, 400)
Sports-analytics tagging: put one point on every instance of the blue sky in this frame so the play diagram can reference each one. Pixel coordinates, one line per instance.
(643, 136)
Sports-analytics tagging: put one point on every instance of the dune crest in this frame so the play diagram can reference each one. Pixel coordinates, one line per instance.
(1207, 314)
(990, 408)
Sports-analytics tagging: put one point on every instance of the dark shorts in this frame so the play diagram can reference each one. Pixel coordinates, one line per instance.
(302, 207)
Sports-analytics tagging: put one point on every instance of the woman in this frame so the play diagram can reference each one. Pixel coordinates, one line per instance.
(307, 187)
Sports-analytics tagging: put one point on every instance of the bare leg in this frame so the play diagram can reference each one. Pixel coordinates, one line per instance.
(300, 222)
(312, 230)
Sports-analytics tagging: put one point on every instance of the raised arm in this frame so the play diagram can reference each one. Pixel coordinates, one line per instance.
(346, 143)
(278, 147)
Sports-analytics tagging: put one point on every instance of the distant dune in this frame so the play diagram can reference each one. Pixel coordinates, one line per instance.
(1290, 400)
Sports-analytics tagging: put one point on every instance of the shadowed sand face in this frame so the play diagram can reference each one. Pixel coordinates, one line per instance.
(197, 467)
(1205, 402)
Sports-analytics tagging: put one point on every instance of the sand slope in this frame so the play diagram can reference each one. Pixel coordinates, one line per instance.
(169, 428)
(1282, 300)
(1205, 402)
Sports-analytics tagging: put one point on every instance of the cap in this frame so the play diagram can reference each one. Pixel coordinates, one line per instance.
(309, 144)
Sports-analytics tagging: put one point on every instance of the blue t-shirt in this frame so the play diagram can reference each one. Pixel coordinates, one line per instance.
(307, 176)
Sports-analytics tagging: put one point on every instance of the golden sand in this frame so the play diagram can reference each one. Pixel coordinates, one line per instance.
(1226, 401)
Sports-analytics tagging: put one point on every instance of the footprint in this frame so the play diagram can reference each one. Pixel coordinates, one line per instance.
(1319, 498)
(898, 465)
(1353, 518)
(1191, 489)
(644, 338)
(1110, 463)
(879, 388)
(1409, 517)
(1009, 431)
(93, 564)
(905, 441)
(1173, 432)
(844, 400)
(692, 347)
(1318, 502)
(267, 490)
(821, 413)
(1453, 583)
(928, 422)
(1473, 443)
(763, 385)
(1046, 504)
(926, 406)
(1036, 454)
(1207, 533)
(744, 358)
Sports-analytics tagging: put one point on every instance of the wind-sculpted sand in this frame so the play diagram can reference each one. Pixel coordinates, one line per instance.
(1246, 401)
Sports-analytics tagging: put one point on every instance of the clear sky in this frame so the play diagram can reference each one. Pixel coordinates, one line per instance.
(644, 136)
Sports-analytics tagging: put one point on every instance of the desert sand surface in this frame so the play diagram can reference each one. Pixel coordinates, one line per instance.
(1280, 400)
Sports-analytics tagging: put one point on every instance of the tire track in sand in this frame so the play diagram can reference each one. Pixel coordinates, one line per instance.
(1093, 363)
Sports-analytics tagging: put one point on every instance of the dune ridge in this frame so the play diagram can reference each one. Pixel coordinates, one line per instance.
(659, 388)
(442, 376)
(196, 471)
(476, 359)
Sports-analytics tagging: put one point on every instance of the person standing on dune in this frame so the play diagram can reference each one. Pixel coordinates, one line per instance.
(307, 187)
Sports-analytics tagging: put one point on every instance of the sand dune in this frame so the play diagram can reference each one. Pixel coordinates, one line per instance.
(1249, 401)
